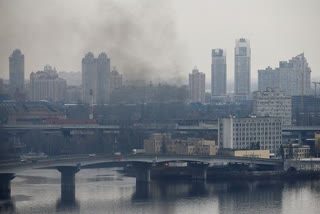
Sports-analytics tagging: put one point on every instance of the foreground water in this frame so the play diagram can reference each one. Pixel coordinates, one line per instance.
(107, 191)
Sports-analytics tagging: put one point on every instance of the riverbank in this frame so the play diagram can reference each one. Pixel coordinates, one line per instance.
(177, 173)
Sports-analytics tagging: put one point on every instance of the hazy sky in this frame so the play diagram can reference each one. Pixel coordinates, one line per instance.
(158, 40)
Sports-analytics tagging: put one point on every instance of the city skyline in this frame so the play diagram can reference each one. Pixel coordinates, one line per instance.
(166, 36)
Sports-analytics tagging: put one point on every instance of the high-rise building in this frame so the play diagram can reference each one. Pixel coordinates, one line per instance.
(197, 86)
(95, 78)
(46, 85)
(293, 77)
(16, 72)
(115, 79)
(218, 73)
(103, 81)
(273, 103)
(244, 133)
(242, 67)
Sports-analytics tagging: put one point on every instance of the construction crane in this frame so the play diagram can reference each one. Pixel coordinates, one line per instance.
(315, 87)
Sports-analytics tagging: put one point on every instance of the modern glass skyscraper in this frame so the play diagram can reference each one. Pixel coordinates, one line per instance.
(218, 73)
(16, 71)
(242, 67)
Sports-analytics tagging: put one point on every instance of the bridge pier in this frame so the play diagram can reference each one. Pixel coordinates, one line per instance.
(68, 192)
(143, 171)
(5, 186)
(199, 172)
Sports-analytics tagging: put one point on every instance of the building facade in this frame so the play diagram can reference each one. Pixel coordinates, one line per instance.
(292, 77)
(46, 85)
(95, 78)
(115, 79)
(295, 151)
(218, 73)
(242, 68)
(197, 86)
(306, 110)
(164, 144)
(273, 103)
(243, 133)
(16, 72)
(317, 144)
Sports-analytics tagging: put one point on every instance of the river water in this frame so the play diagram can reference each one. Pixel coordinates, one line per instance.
(108, 191)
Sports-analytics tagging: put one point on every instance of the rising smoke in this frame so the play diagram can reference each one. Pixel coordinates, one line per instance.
(138, 35)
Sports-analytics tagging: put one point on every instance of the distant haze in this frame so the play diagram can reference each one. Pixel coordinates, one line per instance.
(158, 40)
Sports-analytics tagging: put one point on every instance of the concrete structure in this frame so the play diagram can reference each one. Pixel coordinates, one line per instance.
(242, 68)
(197, 86)
(68, 190)
(95, 78)
(306, 111)
(164, 144)
(5, 187)
(16, 72)
(69, 166)
(307, 164)
(103, 81)
(155, 144)
(244, 133)
(72, 78)
(46, 85)
(252, 153)
(218, 73)
(195, 146)
(115, 79)
(73, 94)
(273, 103)
(295, 151)
(317, 143)
(293, 77)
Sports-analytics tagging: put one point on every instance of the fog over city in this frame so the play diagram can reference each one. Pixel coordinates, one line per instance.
(158, 40)
(159, 106)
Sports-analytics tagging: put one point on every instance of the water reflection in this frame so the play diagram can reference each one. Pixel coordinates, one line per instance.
(68, 206)
(250, 197)
(7, 206)
(105, 190)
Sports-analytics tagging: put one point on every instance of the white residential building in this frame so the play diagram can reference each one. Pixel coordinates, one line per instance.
(273, 103)
(46, 85)
(293, 77)
(242, 133)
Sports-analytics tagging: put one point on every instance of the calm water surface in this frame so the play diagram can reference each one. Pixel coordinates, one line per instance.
(107, 191)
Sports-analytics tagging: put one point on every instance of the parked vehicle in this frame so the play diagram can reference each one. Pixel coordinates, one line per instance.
(138, 151)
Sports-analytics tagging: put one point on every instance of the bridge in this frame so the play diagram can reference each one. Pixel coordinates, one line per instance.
(17, 127)
(68, 166)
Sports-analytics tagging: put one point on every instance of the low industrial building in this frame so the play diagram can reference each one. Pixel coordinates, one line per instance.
(245, 153)
(164, 144)
(295, 151)
(245, 133)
